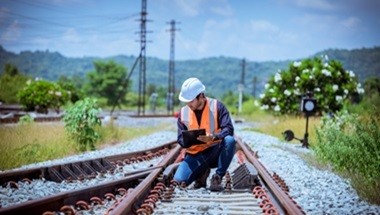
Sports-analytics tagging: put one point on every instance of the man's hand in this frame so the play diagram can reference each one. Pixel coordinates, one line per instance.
(206, 138)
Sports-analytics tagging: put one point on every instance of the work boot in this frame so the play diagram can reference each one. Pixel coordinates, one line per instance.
(216, 183)
(202, 180)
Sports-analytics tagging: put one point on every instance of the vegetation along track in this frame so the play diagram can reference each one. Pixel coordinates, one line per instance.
(248, 189)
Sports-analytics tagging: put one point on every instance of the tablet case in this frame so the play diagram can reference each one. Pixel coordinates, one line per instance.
(190, 137)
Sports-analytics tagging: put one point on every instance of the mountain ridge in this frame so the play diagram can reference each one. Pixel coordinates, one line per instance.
(219, 74)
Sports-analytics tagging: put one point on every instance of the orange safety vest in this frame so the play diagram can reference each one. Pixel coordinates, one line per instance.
(209, 121)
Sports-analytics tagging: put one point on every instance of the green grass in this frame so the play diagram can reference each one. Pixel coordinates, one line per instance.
(276, 125)
(36, 142)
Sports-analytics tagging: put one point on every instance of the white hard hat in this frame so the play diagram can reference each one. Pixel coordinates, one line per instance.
(190, 89)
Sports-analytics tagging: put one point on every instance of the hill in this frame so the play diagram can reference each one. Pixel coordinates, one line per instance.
(219, 74)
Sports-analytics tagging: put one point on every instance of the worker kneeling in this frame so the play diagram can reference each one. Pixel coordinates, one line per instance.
(214, 148)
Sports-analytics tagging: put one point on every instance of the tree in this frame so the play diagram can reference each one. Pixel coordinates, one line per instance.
(11, 70)
(68, 84)
(330, 84)
(108, 81)
(40, 95)
(11, 82)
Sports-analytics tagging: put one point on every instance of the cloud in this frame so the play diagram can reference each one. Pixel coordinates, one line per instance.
(12, 33)
(190, 8)
(351, 22)
(315, 4)
(222, 8)
(263, 26)
(71, 36)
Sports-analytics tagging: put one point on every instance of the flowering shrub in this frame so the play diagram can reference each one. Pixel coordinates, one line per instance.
(40, 95)
(328, 82)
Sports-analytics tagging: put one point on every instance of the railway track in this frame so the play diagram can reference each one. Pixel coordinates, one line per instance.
(249, 189)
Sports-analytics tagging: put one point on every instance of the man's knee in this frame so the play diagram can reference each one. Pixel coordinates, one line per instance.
(229, 140)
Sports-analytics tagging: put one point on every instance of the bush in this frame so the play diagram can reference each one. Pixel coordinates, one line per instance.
(40, 95)
(26, 119)
(327, 81)
(80, 122)
(350, 145)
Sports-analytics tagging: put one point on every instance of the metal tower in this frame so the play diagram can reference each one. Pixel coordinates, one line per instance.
(241, 86)
(171, 82)
(142, 74)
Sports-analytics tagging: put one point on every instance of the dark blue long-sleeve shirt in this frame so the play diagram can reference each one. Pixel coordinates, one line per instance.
(224, 123)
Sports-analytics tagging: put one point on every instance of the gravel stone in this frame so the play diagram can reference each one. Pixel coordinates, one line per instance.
(316, 191)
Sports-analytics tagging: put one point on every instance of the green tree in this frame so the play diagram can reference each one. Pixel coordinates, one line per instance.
(11, 82)
(40, 95)
(11, 70)
(80, 122)
(108, 81)
(68, 84)
(330, 84)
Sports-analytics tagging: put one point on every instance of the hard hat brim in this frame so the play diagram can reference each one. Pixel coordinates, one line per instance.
(183, 99)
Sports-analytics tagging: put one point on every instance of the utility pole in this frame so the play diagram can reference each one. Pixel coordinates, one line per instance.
(171, 82)
(241, 86)
(254, 86)
(142, 75)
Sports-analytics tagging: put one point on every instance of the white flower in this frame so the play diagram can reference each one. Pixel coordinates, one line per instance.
(50, 92)
(262, 96)
(256, 103)
(359, 89)
(335, 87)
(273, 99)
(297, 92)
(311, 77)
(345, 91)
(266, 86)
(326, 65)
(295, 84)
(58, 93)
(287, 93)
(298, 78)
(277, 77)
(28, 82)
(305, 71)
(317, 89)
(326, 72)
(351, 73)
(264, 107)
(296, 64)
(338, 98)
(271, 90)
(277, 108)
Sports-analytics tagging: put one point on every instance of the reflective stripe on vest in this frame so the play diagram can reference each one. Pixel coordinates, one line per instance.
(209, 121)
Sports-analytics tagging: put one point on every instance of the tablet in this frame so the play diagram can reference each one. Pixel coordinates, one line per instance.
(190, 136)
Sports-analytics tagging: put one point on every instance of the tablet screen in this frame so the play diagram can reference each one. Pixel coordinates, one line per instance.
(190, 136)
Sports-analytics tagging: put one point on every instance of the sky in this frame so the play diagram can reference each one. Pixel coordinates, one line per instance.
(257, 30)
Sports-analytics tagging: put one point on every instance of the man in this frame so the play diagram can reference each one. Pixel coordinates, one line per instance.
(218, 147)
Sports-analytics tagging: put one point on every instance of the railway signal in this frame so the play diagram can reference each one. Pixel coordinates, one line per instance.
(308, 107)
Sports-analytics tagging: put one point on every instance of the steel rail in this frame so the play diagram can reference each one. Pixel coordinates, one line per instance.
(44, 172)
(289, 206)
(54, 202)
(129, 204)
